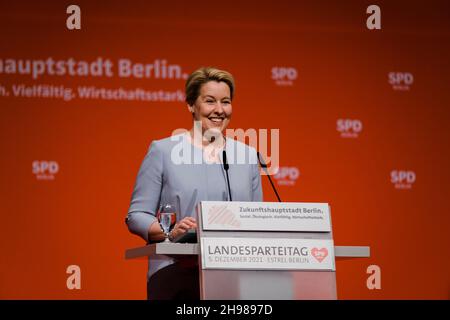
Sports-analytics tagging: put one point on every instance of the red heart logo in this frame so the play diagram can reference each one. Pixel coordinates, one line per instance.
(319, 254)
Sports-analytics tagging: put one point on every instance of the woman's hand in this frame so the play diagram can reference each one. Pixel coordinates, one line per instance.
(183, 226)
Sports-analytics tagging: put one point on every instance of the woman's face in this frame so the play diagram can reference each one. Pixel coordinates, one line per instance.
(213, 106)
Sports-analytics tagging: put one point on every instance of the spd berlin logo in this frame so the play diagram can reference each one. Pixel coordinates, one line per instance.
(403, 179)
(287, 176)
(45, 170)
(401, 81)
(284, 76)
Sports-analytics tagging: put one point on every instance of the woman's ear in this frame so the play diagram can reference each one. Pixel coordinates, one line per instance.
(191, 109)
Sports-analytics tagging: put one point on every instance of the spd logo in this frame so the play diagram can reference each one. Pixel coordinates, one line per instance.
(401, 81)
(349, 128)
(402, 179)
(45, 170)
(287, 176)
(284, 76)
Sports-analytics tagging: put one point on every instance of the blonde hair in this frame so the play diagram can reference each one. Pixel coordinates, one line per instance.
(203, 75)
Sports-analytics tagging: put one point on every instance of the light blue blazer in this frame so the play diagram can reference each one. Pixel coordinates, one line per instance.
(175, 172)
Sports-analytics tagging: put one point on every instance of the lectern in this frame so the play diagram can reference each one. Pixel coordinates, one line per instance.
(262, 250)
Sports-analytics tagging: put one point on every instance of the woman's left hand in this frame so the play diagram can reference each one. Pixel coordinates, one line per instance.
(183, 226)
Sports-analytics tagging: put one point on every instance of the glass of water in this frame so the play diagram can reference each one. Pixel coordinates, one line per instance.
(166, 217)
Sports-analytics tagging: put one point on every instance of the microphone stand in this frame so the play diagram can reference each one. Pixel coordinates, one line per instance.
(264, 166)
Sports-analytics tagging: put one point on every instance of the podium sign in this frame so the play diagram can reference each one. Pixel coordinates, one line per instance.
(265, 216)
(267, 254)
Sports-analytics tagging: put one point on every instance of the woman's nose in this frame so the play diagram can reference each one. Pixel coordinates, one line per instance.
(219, 108)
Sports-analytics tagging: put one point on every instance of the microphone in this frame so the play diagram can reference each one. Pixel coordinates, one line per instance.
(264, 166)
(226, 167)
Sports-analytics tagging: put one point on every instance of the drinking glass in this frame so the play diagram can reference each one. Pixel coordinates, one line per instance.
(166, 217)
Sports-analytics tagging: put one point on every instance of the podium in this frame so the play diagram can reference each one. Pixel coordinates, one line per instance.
(260, 251)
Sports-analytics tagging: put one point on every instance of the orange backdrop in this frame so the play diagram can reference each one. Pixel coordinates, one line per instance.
(68, 167)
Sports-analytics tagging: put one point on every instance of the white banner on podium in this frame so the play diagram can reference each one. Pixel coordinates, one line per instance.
(268, 253)
(265, 216)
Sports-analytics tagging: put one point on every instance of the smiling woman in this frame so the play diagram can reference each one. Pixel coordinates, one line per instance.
(209, 93)
(164, 180)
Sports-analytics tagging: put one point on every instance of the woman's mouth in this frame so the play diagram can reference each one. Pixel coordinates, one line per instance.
(217, 120)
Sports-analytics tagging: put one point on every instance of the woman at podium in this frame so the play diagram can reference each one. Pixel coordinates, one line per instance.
(189, 167)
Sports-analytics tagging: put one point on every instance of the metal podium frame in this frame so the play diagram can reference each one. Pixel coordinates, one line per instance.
(257, 284)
